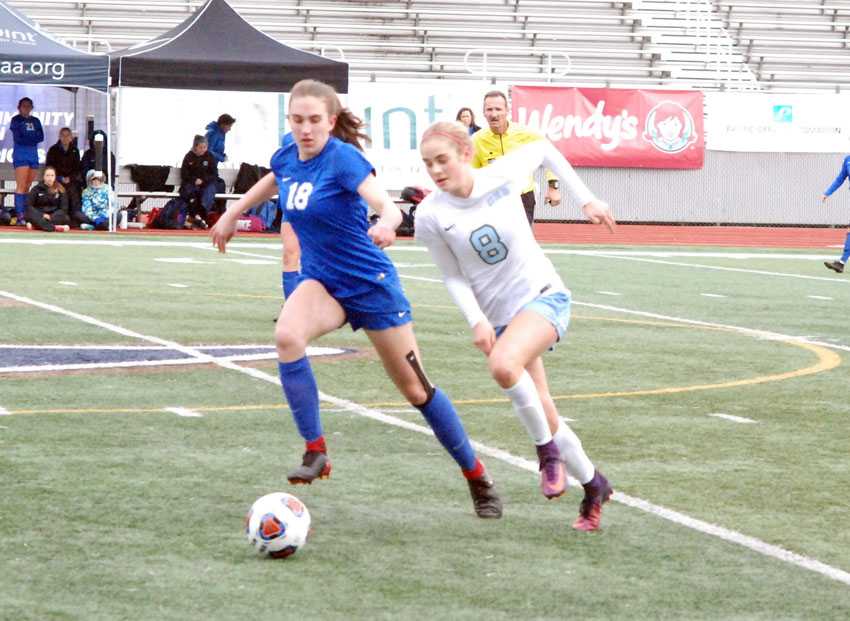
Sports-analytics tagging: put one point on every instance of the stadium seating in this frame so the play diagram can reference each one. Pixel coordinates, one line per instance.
(718, 44)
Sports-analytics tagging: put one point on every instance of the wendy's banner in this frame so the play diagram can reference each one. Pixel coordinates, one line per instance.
(613, 128)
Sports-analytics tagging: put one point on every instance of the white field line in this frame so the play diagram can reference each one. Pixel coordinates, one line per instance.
(720, 268)
(762, 334)
(751, 543)
(712, 295)
(68, 283)
(819, 297)
(178, 285)
(609, 293)
(4, 411)
(734, 419)
(184, 412)
(268, 261)
(237, 244)
(183, 260)
(136, 347)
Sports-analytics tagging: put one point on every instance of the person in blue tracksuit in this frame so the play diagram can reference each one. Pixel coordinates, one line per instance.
(325, 184)
(844, 173)
(216, 133)
(27, 134)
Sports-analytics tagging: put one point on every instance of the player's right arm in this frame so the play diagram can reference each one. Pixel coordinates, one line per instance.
(842, 175)
(428, 232)
(225, 228)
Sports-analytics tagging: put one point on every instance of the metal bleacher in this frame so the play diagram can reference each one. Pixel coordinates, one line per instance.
(706, 44)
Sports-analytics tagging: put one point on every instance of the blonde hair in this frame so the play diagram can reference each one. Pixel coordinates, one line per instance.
(456, 133)
(348, 126)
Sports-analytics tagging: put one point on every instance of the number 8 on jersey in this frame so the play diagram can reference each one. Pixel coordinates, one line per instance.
(487, 243)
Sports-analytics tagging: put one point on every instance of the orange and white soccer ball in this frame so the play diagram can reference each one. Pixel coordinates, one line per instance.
(277, 525)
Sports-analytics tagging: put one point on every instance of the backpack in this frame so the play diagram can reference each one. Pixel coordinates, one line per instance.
(267, 212)
(247, 176)
(169, 216)
(151, 178)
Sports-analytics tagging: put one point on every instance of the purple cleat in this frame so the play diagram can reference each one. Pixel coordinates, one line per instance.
(597, 491)
(553, 474)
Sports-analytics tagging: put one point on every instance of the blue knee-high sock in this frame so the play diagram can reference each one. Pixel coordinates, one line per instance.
(441, 415)
(302, 394)
(290, 280)
(20, 206)
(846, 254)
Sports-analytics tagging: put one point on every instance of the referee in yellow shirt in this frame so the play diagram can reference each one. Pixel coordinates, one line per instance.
(502, 137)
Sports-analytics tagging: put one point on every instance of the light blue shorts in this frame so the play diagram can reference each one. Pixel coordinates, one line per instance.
(553, 307)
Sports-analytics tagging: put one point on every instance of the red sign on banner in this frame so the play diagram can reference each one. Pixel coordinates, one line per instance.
(605, 127)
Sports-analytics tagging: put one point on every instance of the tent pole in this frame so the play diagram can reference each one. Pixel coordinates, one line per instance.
(113, 216)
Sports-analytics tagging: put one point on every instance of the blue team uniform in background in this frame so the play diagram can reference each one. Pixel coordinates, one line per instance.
(319, 199)
(27, 133)
(843, 174)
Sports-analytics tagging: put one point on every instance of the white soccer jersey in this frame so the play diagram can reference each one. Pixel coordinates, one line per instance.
(483, 243)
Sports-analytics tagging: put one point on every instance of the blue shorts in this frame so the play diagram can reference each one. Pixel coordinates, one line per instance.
(377, 321)
(25, 156)
(553, 307)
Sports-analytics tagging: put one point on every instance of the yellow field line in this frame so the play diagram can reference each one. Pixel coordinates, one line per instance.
(827, 359)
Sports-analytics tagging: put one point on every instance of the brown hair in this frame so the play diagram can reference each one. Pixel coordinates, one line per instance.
(348, 126)
(496, 94)
(453, 131)
(58, 187)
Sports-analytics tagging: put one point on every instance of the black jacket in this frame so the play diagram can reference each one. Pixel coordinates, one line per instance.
(203, 167)
(66, 163)
(40, 199)
(89, 161)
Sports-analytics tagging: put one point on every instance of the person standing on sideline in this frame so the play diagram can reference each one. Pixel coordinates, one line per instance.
(465, 116)
(216, 135)
(509, 292)
(64, 156)
(844, 173)
(502, 137)
(27, 133)
(325, 184)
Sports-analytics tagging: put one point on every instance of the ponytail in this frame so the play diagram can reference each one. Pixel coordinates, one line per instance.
(348, 125)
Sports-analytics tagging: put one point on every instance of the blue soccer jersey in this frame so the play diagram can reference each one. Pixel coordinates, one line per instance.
(320, 200)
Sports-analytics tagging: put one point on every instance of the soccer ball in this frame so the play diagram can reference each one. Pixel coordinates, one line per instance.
(277, 525)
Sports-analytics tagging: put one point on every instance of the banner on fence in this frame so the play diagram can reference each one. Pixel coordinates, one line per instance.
(605, 127)
(55, 108)
(767, 122)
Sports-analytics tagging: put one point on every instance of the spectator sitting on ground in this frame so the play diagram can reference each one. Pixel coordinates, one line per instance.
(89, 161)
(198, 175)
(47, 204)
(64, 156)
(216, 131)
(97, 200)
(465, 116)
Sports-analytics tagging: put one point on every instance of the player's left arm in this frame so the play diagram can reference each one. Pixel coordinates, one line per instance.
(595, 210)
(382, 232)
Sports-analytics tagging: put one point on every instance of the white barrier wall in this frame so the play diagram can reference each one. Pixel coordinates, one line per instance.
(755, 170)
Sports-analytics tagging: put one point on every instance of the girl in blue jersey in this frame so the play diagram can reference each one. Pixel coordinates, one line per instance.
(843, 175)
(27, 133)
(325, 184)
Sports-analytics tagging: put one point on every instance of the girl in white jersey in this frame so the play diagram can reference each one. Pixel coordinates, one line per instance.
(513, 299)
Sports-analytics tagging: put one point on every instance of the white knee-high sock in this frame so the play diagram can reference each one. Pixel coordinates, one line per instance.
(577, 462)
(529, 409)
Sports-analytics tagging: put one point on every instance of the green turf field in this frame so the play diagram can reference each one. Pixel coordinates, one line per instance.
(112, 508)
